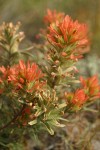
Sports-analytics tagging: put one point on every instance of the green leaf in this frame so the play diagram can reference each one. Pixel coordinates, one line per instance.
(49, 129)
(56, 123)
(28, 54)
(32, 122)
(53, 114)
(62, 105)
(26, 49)
(69, 48)
(62, 119)
(39, 112)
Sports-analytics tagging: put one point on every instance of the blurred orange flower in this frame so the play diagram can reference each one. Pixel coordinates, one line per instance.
(91, 86)
(78, 98)
(53, 16)
(6, 72)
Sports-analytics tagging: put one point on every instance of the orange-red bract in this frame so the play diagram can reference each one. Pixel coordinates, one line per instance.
(27, 74)
(66, 32)
(76, 99)
(91, 86)
(53, 16)
(23, 76)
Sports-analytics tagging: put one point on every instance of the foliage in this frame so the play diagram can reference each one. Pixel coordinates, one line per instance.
(38, 97)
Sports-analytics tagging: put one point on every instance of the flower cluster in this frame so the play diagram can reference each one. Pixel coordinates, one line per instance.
(91, 86)
(76, 100)
(70, 36)
(90, 90)
(22, 76)
(53, 16)
(68, 32)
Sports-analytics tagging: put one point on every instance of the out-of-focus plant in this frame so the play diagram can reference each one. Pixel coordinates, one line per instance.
(10, 39)
(37, 97)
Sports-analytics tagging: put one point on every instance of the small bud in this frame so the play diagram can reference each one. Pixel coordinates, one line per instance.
(53, 74)
(75, 69)
(64, 54)
(10, 25)
(56, 62)
(63, 75)
(45, 109)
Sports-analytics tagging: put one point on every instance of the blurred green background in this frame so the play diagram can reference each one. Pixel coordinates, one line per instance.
(31, 12)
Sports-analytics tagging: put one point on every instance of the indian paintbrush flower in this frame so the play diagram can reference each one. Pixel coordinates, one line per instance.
(68, 35)
(91, 86)
(27, 76)
(53, 16)
(68, 32)
(76, 99)
(23, 76)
